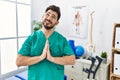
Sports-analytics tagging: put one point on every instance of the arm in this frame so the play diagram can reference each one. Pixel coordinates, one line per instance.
(27, 60)
(65, 60)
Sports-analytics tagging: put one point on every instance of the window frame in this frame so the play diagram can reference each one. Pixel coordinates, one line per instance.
(17, 37)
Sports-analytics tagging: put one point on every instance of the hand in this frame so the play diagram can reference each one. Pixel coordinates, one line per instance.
(49, 57)
(45, 50)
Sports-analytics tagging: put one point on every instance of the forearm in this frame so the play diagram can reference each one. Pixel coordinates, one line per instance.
(26, 60)
(65, 60)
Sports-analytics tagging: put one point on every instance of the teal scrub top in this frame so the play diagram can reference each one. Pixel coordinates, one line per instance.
(45, 70)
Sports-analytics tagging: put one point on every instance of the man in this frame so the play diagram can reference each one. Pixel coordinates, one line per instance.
(45, 52)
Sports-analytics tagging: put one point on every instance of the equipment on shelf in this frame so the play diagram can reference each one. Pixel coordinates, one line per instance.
(90, 70)
(78, 49)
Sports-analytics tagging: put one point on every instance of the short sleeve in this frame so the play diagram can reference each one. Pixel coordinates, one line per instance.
(26, 46)
(67, 49)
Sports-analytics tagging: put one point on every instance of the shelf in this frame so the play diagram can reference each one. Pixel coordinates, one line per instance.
(115, 52)
(115, 75)
(116, 49)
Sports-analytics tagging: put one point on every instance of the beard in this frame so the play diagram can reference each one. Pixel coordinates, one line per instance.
(48, 28)
(45, 25)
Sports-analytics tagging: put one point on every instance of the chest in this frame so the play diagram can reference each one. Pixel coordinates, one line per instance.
(56, 47)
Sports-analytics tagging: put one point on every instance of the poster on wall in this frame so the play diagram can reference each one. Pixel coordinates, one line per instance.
(79, 26)
(74, 18)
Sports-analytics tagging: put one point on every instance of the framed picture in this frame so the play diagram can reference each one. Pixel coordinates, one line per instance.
(79, 20)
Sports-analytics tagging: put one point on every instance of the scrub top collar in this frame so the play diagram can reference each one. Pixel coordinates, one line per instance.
(49, 36)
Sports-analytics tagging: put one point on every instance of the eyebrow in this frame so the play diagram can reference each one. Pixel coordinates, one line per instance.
(52, 14)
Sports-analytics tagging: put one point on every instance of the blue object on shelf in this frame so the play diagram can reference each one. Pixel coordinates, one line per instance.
(71, 43)
(79, 51)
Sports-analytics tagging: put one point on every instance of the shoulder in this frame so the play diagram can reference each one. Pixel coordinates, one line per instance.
(34, 34)
(60, 36)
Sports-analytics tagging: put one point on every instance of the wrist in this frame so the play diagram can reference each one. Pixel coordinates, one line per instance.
(52, 59)
(42, 57)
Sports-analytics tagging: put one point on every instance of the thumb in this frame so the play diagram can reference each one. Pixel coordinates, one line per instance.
(47, 42)
(47, 45)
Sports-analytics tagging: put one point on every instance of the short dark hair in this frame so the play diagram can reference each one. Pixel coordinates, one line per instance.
(56, 9)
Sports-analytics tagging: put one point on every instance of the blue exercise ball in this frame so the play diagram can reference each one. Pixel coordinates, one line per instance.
(79, 51)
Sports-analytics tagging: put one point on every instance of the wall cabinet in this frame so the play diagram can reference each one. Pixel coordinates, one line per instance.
(115, 58)
(75, 72)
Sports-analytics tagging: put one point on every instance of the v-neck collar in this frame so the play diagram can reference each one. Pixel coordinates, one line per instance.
(49, 36)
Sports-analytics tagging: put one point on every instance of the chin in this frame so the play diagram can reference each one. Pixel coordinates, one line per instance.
(48, 28)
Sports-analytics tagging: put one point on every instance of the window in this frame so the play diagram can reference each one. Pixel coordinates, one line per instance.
(23, 20)
(8, 55)
(7, 19)
(15, 26)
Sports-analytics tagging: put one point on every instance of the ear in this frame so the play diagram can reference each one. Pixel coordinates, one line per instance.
(42, 17)
(57, 22)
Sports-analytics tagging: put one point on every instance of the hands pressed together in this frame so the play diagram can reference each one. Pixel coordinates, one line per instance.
(27, 60)
(46, 52)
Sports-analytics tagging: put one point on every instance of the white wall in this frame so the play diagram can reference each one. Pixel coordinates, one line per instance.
(38, 8)
(107, 12)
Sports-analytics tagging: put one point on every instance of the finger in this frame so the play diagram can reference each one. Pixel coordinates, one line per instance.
(45, 47)
(46, 44)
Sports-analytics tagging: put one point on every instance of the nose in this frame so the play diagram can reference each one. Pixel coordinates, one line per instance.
(49, 17)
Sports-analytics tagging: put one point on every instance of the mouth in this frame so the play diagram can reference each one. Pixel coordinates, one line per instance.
(48, 21)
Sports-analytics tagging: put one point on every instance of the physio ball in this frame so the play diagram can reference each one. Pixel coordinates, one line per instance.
(79, 51)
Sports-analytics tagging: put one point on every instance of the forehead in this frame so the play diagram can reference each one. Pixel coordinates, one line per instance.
(52, 12)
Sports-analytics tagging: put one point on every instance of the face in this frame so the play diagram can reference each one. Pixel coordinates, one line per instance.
(49, 19)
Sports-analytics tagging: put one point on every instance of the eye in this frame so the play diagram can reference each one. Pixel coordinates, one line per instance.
(47, 14)
(54, 17)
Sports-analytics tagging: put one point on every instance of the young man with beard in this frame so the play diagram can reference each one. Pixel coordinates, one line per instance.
(46, 51)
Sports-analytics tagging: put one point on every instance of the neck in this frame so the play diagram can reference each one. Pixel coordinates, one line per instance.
(46, 32)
